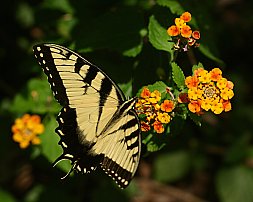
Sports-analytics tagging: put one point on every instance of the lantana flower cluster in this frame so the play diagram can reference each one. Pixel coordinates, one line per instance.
(26, 130)
(209, 91)
(182, 34)
(157, 113)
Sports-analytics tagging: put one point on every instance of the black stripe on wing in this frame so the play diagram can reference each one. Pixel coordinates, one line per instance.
(46, 61)
(120, 175)
(73, 149)
(131, 146)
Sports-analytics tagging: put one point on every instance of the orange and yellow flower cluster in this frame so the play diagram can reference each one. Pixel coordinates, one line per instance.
(156, 112)
(26, 130)
(209, 91)
(182, 34)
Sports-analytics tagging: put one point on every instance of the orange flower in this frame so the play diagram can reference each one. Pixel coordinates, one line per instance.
(216, 74)
(186, 16)
(26, 129)
(158, 127)
(226, 105)
(145, 93)
(167, 106)
(194, 106)
(186, 31)
(212, 92)
(191, 81)
(173, 30)
(196, 35)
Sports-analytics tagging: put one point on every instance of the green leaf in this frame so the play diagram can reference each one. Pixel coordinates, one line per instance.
(172, 166)
(133, 52)
(6, 197)
(25, 14)
(178, 75)
(235, 184)
(49, 143)
(152, 146)
(36, 97)
(158, 36)
(173, 5)
(206, 51)
(159, 85)
(62, 5)
(199, 65)
(34, 193)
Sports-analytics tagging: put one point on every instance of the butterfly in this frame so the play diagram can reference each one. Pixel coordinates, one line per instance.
(98, 127)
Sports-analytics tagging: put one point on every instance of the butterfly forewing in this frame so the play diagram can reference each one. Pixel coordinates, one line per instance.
(96, 125)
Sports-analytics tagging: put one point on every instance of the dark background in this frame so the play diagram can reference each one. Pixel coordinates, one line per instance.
(209, 163)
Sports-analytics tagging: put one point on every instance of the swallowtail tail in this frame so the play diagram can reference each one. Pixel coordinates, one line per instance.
(98, 127)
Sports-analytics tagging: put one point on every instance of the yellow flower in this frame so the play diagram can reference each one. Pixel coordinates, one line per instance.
(155, 97)
(195, 93)
(183, 36)
(226, 93)
(212, 92)
(198, 71)
(204, 76)
(222, 83)
(157, 107)
(163, 117)
(26, 129)
(179, 22)
(155, 115)
(206, 104)
(217, 107)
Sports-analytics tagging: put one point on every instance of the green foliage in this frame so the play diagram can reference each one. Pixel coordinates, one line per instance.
(159, 85)
(178, 75)
(36, 97)
(128, 39)
(49, 140)
(6, 197)
(235, 184)
(158, 36)
(153, 142)
(172, 166)
(199, 65)
(174, 6)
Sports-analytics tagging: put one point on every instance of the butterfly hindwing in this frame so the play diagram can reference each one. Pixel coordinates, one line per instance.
(97, 126)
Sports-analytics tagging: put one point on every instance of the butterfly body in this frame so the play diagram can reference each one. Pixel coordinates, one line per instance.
(98, 127)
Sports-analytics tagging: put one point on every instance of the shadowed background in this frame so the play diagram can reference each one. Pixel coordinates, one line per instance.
(209, 163)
